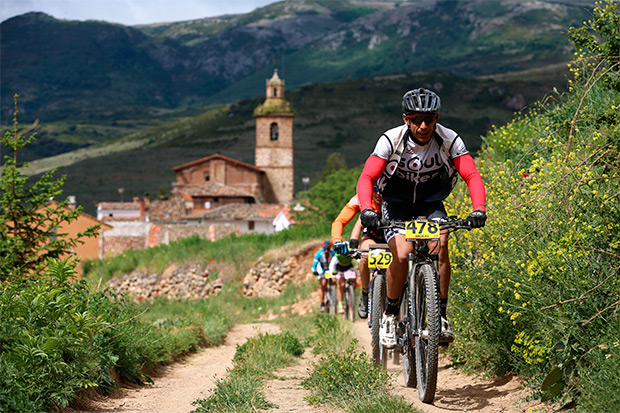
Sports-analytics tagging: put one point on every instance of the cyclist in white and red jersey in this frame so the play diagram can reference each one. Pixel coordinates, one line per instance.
(415, 166)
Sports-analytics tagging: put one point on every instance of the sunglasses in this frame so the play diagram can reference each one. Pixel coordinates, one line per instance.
(418, 119)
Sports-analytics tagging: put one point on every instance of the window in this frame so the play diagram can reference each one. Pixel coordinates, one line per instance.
(207, 177)
(274, 131)
(275, 92)
(251, 225)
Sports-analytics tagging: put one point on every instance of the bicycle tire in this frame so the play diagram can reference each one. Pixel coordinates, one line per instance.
(428, 327)
(351, 302)
(331, 299)
(408, 347)
(379, 353)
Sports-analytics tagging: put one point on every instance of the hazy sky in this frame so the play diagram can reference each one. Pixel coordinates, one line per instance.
(130, 12)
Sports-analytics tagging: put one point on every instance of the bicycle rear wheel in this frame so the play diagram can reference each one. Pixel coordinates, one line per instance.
(379, 353)
(408, 350)
(350, 298)
(332, 301)
(428, 328)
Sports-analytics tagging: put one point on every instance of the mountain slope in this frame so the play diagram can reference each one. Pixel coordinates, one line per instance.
(341, 117)
(79, 70)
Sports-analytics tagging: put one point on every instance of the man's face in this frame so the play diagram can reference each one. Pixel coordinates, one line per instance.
(376, 196)
(422, 125)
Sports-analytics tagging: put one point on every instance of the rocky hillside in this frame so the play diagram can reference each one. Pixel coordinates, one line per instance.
(69, 69)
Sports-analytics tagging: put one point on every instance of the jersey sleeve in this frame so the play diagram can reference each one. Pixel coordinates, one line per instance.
(317, 256)
(458, 148)
(467, 169)
(383, 148)
(344, 217)
(373, 168)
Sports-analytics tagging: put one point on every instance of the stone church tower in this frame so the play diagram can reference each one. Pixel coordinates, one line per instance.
(274, 142)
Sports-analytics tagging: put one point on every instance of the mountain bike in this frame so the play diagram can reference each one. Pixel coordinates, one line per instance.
(331, 297)
(419, 329)
(379, 259)
(350, 277)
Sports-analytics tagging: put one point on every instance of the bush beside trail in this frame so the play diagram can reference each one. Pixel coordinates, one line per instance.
(537, 291)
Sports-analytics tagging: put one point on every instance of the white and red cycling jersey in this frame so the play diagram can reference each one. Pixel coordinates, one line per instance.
(409, 172)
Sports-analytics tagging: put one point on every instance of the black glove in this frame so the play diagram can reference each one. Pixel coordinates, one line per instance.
(477, 218)
(370, 219)
(341, 248)
(316, 273)
(354, 243)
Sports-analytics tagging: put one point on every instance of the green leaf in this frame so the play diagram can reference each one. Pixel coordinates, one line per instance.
(553, 391)
(554, 376)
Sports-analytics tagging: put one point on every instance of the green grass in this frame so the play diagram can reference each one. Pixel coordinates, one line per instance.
(344, 377)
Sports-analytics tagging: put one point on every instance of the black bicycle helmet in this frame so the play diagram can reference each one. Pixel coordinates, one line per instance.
(421, 100)
(327, 244)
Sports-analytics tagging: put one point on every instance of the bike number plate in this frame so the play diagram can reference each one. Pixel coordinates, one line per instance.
(421, 230)
(379, 259)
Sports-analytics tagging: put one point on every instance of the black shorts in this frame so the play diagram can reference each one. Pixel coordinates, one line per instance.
(402, 211)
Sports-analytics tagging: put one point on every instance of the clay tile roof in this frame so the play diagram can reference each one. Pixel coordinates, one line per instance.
(216, 156)
(216, 189)
(118, 205)
(245, 212)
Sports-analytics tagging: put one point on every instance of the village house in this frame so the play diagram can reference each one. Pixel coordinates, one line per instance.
(92, 247)
(217, 195)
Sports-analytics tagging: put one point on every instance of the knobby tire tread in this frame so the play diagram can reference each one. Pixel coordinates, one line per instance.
(427, 355)
(378, 308)
(351, 298)
(407, 314)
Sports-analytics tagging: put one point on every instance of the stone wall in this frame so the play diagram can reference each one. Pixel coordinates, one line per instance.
(182, 283)
(138, 235)
(268, 279)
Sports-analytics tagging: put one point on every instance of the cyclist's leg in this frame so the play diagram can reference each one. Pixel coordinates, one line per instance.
(444, 266)
(397, 271)
(363, 263)
(341, 286)
(444, 274)
(323, 283)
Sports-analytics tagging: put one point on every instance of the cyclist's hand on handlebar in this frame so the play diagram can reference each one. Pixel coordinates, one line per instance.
(341, 248)
(354, 243)
(477, 218)
(370, 219)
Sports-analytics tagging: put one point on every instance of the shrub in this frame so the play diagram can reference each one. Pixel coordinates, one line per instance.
(537, 290)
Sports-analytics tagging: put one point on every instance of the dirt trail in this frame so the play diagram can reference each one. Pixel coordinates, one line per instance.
(456, 391)
(177, 386)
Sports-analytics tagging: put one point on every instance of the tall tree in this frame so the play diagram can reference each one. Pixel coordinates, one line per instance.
(29, 222)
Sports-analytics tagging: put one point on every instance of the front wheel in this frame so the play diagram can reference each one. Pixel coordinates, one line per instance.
(350, 298)
(408, 350)
(427, 330)
(332, 300)
(379, 353)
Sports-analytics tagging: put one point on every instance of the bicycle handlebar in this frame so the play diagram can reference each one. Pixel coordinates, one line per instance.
(449, 223)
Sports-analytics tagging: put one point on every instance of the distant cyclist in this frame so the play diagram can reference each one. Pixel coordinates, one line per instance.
(415, 166)
(338, 265)
(320, 265)
(345, 216)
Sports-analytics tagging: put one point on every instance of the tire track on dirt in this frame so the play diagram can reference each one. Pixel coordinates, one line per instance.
(178, 385)
(457, 391)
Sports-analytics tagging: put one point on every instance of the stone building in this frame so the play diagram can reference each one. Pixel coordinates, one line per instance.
(274, 142)
(217, 180)
(217, 195)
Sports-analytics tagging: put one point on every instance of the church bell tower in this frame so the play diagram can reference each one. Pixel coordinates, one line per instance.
(274, 142)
